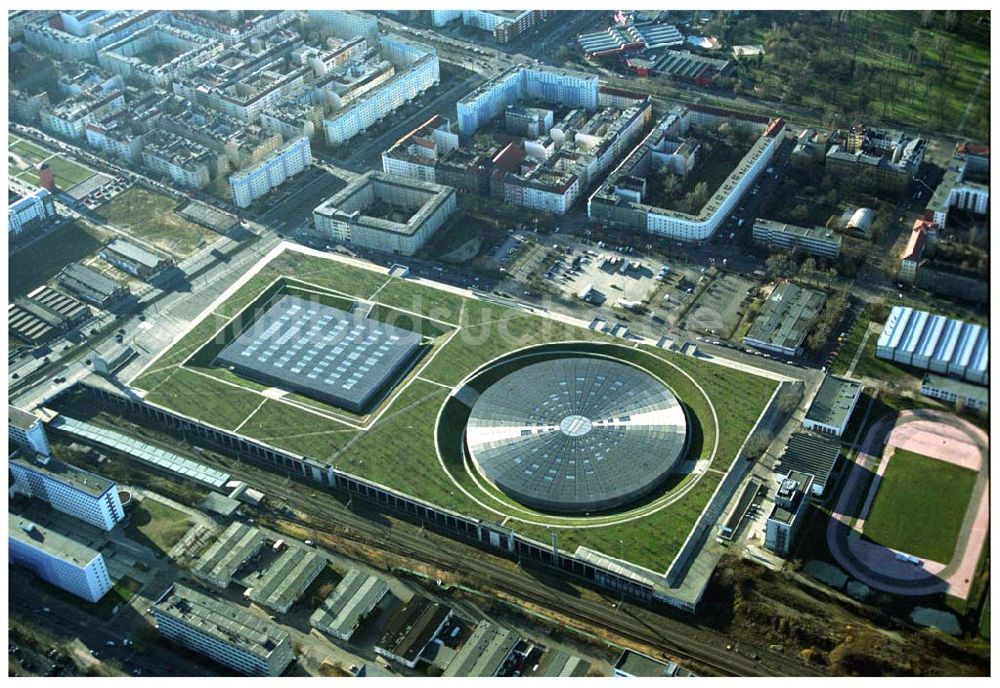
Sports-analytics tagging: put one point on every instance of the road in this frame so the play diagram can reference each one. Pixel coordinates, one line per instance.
(152, 658)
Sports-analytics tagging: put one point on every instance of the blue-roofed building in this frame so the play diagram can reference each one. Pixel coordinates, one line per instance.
(929, 341)
(946, 346)
(630, 38)
(933, 342)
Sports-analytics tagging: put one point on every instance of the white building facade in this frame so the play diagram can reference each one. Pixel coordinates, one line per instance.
(218, 629)
(57, 559)
(78, 493)
(30, 212)
(250, 184)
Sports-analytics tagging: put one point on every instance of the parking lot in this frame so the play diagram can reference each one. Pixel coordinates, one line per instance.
(718, 309)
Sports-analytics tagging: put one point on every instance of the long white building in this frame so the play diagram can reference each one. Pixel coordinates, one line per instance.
(27, 430)
(250, 184)
(218, 629)
(30, 212)
(616, 202)
(933, 342)
(417, 69)
(71, 490)
(538, 82)
(55, 558)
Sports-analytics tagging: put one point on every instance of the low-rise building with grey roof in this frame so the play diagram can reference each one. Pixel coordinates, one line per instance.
(413, 627)
(355, 597)
(484, 653)
(955, 392)
(133, 259)
(811, 453)
(90, 285)
(560, 664)
(635, 664)
(818, 241)
(237, 545)
(287, 578)
(785, 319)
(228, 634)
(833, 405)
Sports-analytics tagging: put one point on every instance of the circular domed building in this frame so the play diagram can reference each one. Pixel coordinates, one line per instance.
(576, 434)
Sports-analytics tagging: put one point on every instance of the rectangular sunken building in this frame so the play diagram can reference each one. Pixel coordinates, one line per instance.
(323, 352)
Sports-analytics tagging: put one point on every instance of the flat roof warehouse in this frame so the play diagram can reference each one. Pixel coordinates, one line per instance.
(325, 352)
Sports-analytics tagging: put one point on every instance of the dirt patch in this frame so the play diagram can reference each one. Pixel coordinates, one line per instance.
(753, 604)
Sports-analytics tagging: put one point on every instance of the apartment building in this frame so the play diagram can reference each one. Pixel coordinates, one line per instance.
(27, 430)
(30, 213)
(57, 559)
(71, 490)
(614, 202)
(817, 241)
(386, 213)
(257, 180)
(185, 162)
(224, 632)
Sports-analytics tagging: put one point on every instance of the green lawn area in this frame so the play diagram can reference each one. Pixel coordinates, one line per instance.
(29, 151)
(67, 173)
(39, 262)
(203, 397)
(920, 506)
(157, 525)
(150, 216)
(399, 450)
(868, 364)
(299, 431)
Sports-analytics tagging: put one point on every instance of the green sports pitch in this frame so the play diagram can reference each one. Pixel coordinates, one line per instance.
(398, 443)
(920, 505)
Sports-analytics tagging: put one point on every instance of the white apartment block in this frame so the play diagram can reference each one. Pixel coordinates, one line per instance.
(184, 161)
(547, 84)
(442, 17)
(78, 493)
(250, 184)
(27, 430)
(228, 634)
(87, 31)
(348, 24)
(30, 212)
(125, 57)
(55, 558)
(610, 205)
(343, 216)
(373, 106)
(415, 155)
(70, 118)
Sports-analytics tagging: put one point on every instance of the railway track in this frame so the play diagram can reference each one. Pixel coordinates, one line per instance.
(318, 510)
(628, 621)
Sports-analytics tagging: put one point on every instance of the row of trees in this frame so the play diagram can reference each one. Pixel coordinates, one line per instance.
(829, 318)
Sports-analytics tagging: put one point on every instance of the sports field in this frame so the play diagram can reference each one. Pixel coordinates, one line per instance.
(920, 505)
(24, 156)
(395, 443)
